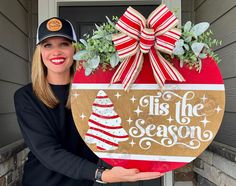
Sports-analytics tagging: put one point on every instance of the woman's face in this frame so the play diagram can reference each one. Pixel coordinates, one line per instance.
(57, 55)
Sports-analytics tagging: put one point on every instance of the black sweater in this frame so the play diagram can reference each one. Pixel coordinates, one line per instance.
(58, 156)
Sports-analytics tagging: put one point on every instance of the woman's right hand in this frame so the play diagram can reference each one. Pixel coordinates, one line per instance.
(120, 174)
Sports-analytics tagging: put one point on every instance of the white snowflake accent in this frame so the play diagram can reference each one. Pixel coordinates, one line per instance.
(82, 116)
(218, 109)
(129, 120)
(138, 111)
(132, 143)
(204, 98)
(170, 119)
(205, 121)
(117, 95)
(133, 99)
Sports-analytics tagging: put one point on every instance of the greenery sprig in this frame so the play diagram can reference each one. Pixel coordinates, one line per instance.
(195, 44)
(98, 48)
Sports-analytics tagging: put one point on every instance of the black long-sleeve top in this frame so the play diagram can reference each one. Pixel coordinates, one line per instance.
(58, 156)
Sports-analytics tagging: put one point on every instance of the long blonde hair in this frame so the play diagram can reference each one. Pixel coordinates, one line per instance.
(40, 84)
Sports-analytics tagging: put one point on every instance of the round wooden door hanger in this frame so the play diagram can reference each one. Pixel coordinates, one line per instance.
(149, 128)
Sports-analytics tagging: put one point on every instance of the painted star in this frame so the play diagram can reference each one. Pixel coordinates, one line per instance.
(133, 99)
(170, 119)
(138, 111)
(132, 143)
(82, 116)
(75, 94)
(205, 121)
(129, 120)
(117, 95)
(218, 109)
(204, 98)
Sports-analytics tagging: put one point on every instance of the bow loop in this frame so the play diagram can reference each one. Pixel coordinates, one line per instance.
(140, 36)
(125, 45)
(162, 20)
(166, 42)
(131, 23)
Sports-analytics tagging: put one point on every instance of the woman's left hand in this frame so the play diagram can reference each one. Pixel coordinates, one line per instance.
(120, 174)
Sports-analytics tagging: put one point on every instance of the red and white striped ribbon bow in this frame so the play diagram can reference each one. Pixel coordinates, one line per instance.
(140, 36)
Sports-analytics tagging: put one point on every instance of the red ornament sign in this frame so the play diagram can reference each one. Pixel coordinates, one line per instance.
(146, 127)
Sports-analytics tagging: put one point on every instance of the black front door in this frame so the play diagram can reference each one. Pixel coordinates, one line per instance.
(84, 17)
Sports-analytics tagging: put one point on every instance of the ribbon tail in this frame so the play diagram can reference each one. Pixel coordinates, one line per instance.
(133, 71)
(172, 71)
(117, 75)
(162, 69)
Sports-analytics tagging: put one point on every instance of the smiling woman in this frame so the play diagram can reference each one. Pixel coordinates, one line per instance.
(58, 155)
(57, 55)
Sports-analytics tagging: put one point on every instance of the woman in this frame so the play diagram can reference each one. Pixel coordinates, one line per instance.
(58, 156)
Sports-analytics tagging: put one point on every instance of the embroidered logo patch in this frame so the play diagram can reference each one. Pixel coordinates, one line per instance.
(54, 25)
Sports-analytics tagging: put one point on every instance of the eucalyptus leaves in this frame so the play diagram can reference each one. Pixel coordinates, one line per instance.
(98, 48)
(195, 44)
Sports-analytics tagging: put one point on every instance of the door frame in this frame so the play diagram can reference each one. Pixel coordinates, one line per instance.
(50, 8)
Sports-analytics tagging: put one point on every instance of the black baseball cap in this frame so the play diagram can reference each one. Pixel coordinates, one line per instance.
(55, 26)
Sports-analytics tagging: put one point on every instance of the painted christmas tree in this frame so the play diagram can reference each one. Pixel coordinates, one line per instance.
(105, 128)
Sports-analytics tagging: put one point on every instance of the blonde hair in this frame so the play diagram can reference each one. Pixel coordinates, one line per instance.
(40, 84)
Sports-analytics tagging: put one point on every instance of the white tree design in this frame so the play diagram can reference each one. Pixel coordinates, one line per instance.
(105, 128)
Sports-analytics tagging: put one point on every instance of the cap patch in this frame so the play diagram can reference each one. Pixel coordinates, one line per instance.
(54, 25)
